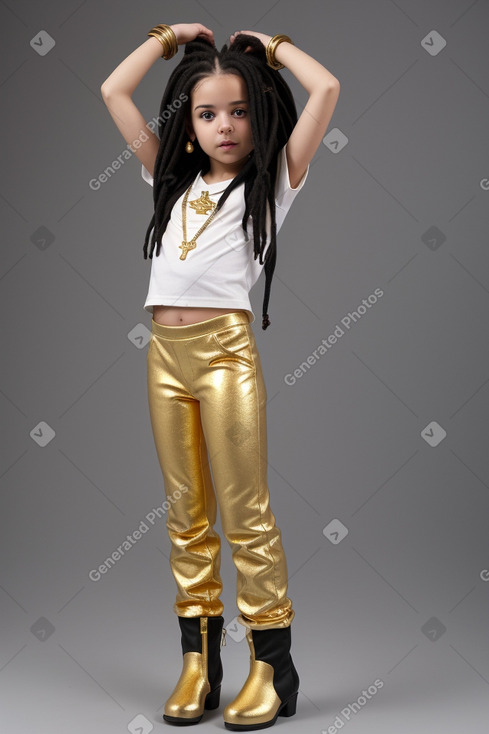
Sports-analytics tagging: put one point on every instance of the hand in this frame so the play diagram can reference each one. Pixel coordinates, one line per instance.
(186, 32)
(262, 36)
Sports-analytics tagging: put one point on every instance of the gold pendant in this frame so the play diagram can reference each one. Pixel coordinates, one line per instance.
(185, 247)
(203, 204)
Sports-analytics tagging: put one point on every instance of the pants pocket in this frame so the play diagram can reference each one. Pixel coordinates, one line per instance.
(233, 345)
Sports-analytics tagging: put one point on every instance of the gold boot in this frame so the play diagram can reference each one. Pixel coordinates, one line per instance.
(199, 685)
(272, 684)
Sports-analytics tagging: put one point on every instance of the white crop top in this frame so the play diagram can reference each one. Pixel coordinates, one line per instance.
(220, 271)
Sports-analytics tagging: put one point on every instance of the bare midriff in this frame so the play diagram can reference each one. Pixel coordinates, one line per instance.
(183, 315)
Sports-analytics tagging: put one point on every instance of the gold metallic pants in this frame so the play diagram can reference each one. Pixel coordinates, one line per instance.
(207, 402)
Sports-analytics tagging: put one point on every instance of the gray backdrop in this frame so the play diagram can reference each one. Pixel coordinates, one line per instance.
(378, 454)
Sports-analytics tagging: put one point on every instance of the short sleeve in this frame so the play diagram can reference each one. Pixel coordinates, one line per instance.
(146, 175)
(284, 193)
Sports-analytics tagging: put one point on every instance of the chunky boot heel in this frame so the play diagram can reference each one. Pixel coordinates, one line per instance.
(212, 699)
(272, 685)
(289, 707)
(199, 685)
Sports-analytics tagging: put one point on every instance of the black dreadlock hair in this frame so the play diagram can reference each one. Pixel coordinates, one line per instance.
(273, 117)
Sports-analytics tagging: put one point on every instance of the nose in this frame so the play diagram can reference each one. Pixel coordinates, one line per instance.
(225, 124)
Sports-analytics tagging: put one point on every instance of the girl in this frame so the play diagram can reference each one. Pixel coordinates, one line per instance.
(230, 156)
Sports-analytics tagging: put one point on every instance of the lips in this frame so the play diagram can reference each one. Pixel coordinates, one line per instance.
(227, 143)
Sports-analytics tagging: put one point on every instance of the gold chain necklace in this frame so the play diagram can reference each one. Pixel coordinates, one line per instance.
(201, 205)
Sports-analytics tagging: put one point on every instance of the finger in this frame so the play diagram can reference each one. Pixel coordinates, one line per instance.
(208, 34)
(204, 31)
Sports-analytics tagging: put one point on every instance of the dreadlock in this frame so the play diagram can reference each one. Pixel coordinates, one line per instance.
(273, 116)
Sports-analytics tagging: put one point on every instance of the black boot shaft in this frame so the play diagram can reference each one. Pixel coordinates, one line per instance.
(214, 635)
(273, 647)
(191, 637)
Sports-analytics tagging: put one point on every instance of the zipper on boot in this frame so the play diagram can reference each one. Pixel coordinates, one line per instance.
(203, 632)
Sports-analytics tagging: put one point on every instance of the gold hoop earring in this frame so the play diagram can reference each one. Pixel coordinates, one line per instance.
(189, 147)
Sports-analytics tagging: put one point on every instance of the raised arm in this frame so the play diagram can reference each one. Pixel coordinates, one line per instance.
(323, 89)
(310, 128)
(118, 88)
(116, 92)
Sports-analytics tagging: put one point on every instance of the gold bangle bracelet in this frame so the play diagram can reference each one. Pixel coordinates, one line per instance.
(170, 35)
(166, 36)
(167, 39)
(271, 48)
